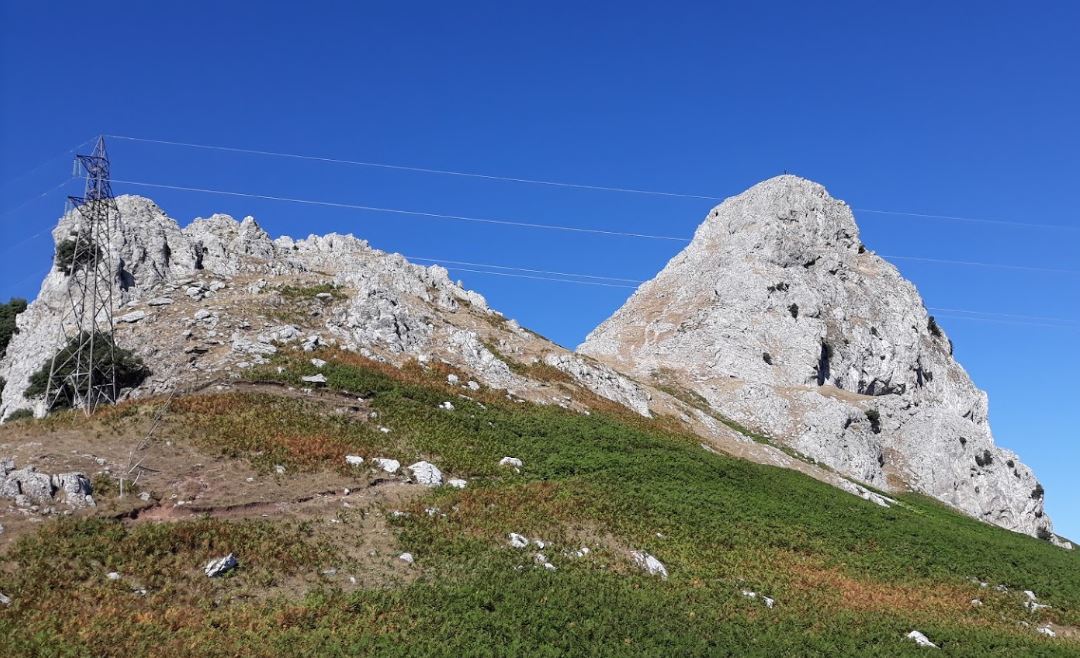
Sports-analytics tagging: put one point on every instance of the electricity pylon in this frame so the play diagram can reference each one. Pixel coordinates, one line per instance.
(84, 370)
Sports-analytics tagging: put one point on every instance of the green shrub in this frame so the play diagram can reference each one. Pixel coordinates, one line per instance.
(19, 414)
(7, 321)
(73, 254)
(130, 370)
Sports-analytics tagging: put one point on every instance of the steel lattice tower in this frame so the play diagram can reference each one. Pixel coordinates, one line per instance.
(84, 370)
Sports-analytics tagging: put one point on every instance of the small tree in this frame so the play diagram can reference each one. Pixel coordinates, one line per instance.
(130, 370)
(73, 254)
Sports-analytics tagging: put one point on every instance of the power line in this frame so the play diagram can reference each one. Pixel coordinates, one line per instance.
(969, 263)
(507, 222)
(19, 207)
(542, 278)
(522, 269)
(415, 213)
(422, 170)
(1005, 321)
(1003, 315)
(999, 222)
(565, 184)
(70, 151)
(988, 316)
(33, 199)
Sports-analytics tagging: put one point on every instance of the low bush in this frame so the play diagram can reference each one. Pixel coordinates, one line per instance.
(19, 414)
(130, 370)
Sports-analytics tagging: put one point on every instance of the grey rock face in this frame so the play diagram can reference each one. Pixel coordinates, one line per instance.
(74, 488)
(158, 262)
(781, 319)
(426, 473)
(220, 566)
(27, 482)
(29, 485)
(602, 380)
(389, 309)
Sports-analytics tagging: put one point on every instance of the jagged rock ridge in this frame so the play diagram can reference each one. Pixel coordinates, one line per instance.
(780, 317)
(204, 301)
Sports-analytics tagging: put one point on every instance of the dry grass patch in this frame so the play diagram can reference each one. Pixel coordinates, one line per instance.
(834, 590)
(271, 429)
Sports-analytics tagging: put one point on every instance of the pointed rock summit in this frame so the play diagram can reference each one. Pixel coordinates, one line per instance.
(780, 318)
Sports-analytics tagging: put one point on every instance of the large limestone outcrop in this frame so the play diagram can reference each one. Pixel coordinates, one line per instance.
(781, 319)
(201, 302)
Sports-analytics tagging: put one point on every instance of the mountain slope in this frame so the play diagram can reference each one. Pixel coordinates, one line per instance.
(845, 576)
(779, 316)
(205, 303)
(303, 395)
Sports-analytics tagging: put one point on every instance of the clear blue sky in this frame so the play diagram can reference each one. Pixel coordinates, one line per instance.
(965, 109)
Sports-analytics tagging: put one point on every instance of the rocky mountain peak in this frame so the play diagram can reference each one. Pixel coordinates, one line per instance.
(785, 220)
(781, 319)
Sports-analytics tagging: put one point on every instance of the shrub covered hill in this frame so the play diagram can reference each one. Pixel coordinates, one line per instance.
(322, 449)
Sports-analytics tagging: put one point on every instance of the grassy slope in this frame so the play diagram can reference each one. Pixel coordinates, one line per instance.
(849, 577)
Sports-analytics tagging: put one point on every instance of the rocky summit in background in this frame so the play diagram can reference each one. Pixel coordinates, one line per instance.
(781, 319)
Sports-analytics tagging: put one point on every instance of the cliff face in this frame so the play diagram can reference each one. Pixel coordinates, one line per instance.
(779, 316)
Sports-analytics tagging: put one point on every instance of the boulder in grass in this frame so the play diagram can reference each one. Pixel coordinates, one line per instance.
(426, 473)
(650, 564)
(387, 465)
(921, 640)
(28, 482)
(220, 566)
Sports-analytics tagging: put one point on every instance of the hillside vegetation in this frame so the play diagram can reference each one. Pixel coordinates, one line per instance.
(848, 577)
